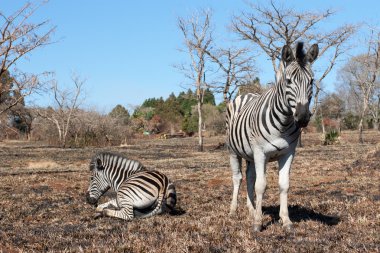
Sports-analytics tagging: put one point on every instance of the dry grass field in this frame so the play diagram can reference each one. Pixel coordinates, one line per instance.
(334, 200)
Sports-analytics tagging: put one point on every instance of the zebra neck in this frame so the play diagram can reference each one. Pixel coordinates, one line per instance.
(116, 176)
(280, 109)
(112, 180)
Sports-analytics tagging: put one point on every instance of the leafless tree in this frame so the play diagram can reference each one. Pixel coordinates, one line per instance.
(374, 109)
(18, 87)
(66, 104)
(236, 67)
(272, 27)
(19, 37)
(197, 32)
(361, 74)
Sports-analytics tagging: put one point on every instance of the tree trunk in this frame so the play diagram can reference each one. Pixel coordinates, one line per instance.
(363, 113)
(361, 131)
(200, 143)
(323, 126)
(59, 134)
(376, 124)
(339, 126)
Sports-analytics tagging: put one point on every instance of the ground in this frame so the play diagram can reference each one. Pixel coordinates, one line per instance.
(334, 200)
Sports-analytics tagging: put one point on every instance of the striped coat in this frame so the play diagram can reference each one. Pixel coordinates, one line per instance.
(139, 192)
(262, 128)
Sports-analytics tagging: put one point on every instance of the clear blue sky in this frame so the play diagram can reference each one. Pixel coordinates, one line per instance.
(126, 49)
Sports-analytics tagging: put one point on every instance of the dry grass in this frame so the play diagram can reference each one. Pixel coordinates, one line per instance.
(334, 201)
(42, 165)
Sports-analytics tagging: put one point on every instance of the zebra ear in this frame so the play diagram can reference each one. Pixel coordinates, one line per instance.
(99, 164)
(312, 53)
(287, 54)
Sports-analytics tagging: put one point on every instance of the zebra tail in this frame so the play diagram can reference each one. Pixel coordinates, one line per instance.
(171, 196)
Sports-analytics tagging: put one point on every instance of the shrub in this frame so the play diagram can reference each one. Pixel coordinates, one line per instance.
(351, 121)
(331, 137)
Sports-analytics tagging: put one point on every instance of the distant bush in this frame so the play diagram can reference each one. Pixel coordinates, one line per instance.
(190, 124)
(331, 137)
(88, 128)
(350, 121)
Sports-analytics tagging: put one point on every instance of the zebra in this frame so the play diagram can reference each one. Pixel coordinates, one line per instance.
(263, 128)
(139, 192)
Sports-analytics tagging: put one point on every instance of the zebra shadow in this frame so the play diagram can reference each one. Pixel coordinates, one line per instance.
(299, 213)
(177, 211)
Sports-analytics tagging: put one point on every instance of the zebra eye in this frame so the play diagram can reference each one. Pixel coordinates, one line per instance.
(92, 178)
(288, 81)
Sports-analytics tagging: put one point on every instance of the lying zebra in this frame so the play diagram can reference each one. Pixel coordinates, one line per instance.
(139, 192)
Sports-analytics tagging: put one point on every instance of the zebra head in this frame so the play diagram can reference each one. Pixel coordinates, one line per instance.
(98, 183)
(297, 75)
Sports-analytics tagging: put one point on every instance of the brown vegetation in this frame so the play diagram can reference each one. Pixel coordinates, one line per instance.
(334, 200)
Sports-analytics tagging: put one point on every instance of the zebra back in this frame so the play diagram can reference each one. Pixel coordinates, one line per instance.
(236, 105)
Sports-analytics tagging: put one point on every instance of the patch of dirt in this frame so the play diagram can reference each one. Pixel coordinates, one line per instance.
(42, 165)
(371, 160)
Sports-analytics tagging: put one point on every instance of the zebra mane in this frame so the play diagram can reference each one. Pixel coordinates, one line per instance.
(101, 156)
(93, 162)
(300, 53)
(105, 157)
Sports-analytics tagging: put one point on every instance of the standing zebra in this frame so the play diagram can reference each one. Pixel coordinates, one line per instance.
(262, 128)
(139, 192)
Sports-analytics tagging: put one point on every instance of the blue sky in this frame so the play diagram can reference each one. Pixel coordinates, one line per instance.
(126, 49)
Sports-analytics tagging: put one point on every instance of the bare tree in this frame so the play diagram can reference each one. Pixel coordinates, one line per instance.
(19, 37)
(271, 28)
(236, 67)
(197, 34)
(374, 109)
(361, 74)
(66, 104)
(20, 85)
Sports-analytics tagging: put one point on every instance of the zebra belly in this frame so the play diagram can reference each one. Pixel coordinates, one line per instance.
(144, 203)
(272, 150)
(277, 148)
(137, 196)
(246, 153)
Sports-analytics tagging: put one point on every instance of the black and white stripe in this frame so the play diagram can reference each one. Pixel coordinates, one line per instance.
(139, 192)
(262, 128)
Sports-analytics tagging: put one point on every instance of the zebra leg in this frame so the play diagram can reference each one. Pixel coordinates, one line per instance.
(110, 204)
(158, 209)
(235, 162)
(283, 181)
(260, 185)
(125, 212)
(251, 178)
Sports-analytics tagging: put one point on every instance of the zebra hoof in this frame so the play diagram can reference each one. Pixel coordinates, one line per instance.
(98, 215)
(257, 227)
(288, 228)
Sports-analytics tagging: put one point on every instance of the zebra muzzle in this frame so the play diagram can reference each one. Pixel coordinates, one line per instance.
(302, 115)
(91, 200)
